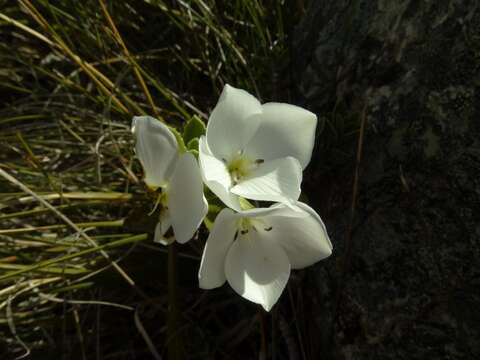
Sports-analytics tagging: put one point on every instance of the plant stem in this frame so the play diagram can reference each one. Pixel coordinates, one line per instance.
(173, 342)
(274, 334)
(263, 335)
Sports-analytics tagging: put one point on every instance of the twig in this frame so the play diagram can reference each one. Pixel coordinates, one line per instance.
(146, 337)
(84, 302)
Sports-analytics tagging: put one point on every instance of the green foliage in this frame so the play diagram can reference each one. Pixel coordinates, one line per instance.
(181, 143)
(194, 128)
(70, 82)
(193, 144)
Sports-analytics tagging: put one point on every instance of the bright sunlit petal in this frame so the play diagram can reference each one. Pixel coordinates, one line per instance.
(231, 124)
(256, 269)
(276, 180)
(304, 238)
(284, 130)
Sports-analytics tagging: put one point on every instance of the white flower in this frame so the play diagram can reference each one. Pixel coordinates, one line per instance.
(255, 249)
(177, 174)
(255, 151)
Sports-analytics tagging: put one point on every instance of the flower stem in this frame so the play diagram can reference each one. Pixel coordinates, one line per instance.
(263, 335)
(173, 342)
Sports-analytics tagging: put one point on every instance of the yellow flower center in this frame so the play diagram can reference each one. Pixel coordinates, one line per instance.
(239, 167)
(246, 225)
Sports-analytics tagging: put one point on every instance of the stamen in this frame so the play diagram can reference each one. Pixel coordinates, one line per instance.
(157, 202)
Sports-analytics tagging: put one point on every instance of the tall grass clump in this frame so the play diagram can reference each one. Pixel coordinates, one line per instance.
(80, 277)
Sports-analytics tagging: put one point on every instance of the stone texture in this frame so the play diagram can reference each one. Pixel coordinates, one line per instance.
(412, 290)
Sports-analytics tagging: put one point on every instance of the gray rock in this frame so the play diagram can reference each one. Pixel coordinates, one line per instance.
(412, 289)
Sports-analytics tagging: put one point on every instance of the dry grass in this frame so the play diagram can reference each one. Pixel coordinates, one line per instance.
(79, 275)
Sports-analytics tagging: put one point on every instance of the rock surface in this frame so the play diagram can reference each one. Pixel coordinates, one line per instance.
(412, 290)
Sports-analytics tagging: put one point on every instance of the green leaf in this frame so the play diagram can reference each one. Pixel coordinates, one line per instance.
(193, 129)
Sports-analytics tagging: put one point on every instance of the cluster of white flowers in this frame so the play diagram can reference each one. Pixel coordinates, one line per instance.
(250, 151)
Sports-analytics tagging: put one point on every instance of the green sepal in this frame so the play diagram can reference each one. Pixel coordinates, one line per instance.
(193, 144)
(245, 204)
(181, 144)
(208, 223)
(213, 211)
(194, 128)
(194, 153)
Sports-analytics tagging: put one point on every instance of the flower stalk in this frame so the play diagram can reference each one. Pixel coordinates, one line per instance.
(173, 338)
(263, 334)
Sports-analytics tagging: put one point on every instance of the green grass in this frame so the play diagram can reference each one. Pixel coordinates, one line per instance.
(72, 75)
(80, 277)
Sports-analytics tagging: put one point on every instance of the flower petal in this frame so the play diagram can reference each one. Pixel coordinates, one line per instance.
(231, 124)
(257, 269)
(162, 227)
(277, 209)
(212, 266)
(216, 176)
(186, 203)
(156, 148)
(285, 130)
(276, 180)
(304, 239)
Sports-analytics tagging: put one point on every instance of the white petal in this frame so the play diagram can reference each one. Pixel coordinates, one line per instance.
(162, 227)
(277, 209)
(304, 239)
(156, 148)
(257, 269)
(216, 176)
(186, 202)
(212, 269)
(285, 130)
(276, 180)
(231, 124)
